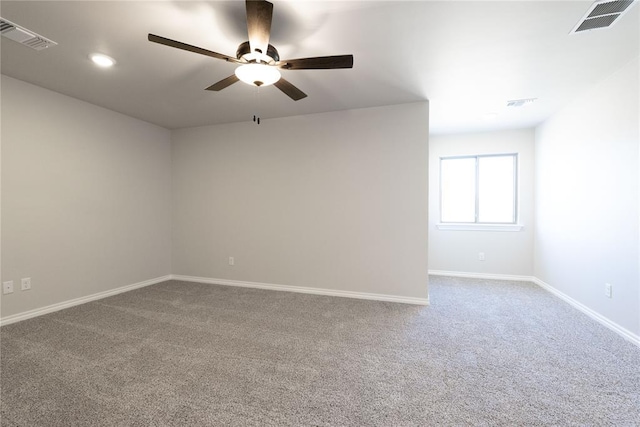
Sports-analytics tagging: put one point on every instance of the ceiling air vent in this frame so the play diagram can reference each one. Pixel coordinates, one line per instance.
(23, 36)
(602, 14)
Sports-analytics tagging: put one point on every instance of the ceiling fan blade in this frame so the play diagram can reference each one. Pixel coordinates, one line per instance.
(179, 45)
(290, 90)
(223, 83)
(318, 63)
(259, 13)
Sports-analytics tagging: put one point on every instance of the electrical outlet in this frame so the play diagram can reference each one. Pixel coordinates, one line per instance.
(7, 287)
(480, 256)
(25, 283)
(608, 290)
(232, 261)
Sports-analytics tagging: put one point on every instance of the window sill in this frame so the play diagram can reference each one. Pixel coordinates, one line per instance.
(479, 227)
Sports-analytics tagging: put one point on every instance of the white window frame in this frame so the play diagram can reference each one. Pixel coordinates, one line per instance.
(477, 225)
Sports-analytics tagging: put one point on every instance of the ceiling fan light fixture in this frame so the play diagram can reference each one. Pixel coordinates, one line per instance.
(258, 74)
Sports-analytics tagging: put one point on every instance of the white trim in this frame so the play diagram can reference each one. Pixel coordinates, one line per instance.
(625, 333)
(479, 227)
(77, 301)
(304, 290)
(488, 276)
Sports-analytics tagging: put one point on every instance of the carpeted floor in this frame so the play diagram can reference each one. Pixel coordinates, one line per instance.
(485, 353)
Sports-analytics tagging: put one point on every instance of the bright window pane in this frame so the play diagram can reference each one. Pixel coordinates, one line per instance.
(458, 181)
(479, 189)
(496, 191)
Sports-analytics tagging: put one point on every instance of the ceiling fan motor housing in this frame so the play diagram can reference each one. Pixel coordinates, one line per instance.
(244, 49)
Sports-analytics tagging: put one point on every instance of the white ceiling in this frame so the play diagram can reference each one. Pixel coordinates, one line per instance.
(467, 57)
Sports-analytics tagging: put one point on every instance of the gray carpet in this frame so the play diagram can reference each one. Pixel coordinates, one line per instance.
(485, 353)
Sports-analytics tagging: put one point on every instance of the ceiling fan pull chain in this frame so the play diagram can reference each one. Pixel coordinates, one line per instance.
(256, 117)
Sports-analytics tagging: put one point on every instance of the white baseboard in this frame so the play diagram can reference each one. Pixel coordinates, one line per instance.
(488, 276)
(623, 332)
(305, 290)
(77, 301)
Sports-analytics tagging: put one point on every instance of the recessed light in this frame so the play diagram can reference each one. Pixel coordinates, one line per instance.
(102, 60)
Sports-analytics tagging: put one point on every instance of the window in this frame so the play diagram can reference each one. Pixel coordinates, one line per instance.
(479, 189)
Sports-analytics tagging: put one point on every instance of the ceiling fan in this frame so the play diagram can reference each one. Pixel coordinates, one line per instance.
(258, 60)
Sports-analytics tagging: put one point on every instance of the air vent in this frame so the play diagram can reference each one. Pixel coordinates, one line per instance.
(603, 14)
(520, 102)
(23, 36)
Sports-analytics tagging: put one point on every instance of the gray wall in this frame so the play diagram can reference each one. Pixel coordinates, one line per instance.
(587, 199)
(85, 198)
(333, 201)
(506, 252)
